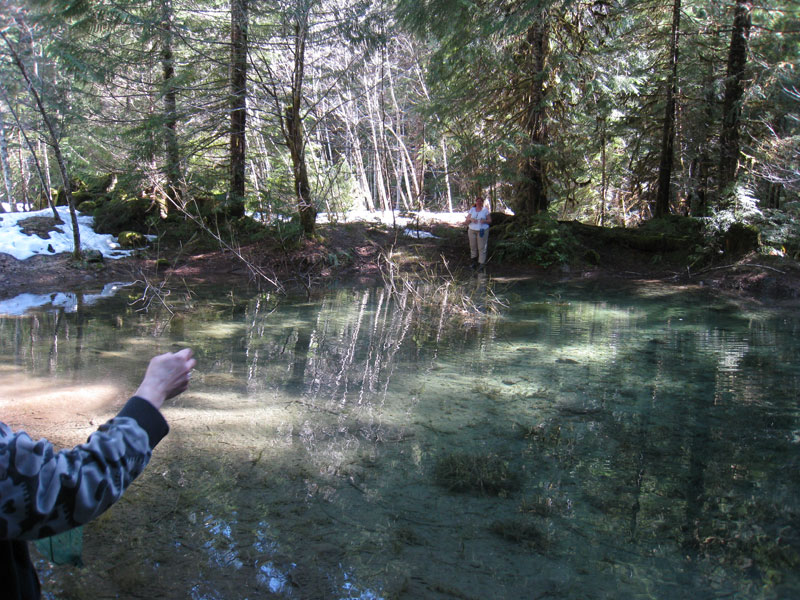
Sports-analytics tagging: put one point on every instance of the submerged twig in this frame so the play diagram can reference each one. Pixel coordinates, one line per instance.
(733, 266)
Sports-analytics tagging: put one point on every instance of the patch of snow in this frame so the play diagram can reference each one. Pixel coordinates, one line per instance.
(393, 217)
(22, 246)
(416, 233)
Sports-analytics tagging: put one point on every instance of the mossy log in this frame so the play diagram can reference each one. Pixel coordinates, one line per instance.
(123, 213)
(637, 239)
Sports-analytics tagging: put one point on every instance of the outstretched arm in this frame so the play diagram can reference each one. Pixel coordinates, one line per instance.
(43, 492)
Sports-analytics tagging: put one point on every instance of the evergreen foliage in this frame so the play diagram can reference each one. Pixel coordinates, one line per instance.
(541, 240)
(545, 106)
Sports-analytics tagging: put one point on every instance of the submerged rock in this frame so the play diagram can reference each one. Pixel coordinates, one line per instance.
(567, 361)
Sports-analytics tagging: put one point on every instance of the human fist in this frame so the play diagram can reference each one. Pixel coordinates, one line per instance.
(167, 376)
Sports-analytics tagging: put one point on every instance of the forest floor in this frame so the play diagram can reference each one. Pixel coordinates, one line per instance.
(359, 253)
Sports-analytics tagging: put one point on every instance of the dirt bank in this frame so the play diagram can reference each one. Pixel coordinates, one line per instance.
(358, 252)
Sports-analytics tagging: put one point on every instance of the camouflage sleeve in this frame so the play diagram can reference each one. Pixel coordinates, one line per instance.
(43, 492)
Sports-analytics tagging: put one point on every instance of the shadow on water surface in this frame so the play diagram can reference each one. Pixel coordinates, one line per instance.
(652, 440)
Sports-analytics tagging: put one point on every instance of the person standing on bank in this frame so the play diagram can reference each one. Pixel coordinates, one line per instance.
(478, 221)
(43, 492)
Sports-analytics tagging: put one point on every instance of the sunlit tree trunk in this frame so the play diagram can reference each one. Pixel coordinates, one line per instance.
(9, 195)
(238, 104)
(357, 157)
(23, 176)
(44, 174)
(420, 187)
(447, 177)
(668, 133)
(407, 167)
(170, 107)
(377, 170)
(730, 150)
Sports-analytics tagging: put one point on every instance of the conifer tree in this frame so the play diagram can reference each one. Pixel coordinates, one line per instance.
(239, 21)
(730, 151)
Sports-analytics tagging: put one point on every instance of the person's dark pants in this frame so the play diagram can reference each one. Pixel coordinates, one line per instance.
(18, 579)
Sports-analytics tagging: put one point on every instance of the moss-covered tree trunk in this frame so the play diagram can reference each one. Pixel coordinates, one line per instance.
(293, 133)
(170, 107)
(532, 187)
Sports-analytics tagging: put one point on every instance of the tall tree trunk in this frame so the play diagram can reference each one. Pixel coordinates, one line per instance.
(703, 165)
(293, 133)
(730, 150)
(377, 171)
(351, 125)
(663, 194)
(403, 156)
(44, 168)
(238, 104)
(420, 200)
(447, 176)
(532, 194)
(9, 195)
(44, 172)
(170, 108)
(603, 172)
(23, 178)
(408, 175)
(62, 165)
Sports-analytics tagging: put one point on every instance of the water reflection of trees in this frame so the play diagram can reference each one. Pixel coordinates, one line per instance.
(686, 457)
(344, 349)
(38, 341)
(673, 443)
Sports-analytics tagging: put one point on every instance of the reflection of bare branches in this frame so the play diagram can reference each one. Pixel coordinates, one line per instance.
(307, 280)
(424, 306)
(462, 300)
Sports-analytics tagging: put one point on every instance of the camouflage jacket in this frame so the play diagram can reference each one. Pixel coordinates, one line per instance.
(44, 492)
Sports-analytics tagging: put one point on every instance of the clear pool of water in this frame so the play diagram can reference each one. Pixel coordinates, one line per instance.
(534, 442)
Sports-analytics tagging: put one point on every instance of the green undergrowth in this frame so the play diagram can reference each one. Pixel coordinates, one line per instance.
(484, 474)
(540, 240)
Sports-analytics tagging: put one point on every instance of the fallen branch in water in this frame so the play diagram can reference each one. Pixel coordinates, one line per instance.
(741, 265)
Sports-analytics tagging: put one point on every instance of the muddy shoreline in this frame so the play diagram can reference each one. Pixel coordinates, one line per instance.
(358, 256)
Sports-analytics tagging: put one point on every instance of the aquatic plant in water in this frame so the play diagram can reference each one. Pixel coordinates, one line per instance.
(489, 474)
(520, 531)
